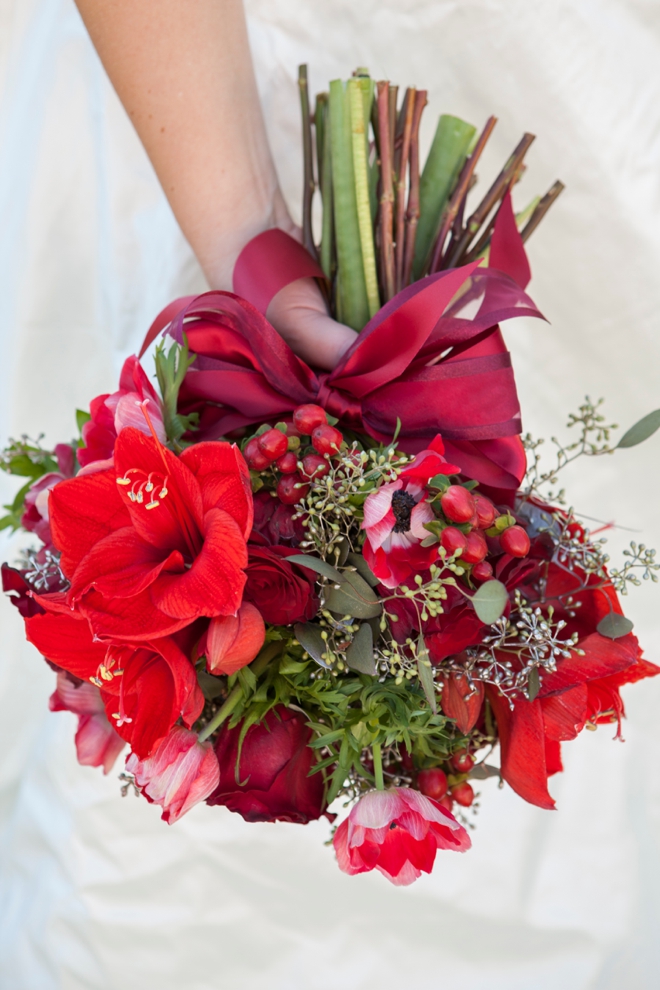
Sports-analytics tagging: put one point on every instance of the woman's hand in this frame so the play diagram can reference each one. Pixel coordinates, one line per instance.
(298, 312)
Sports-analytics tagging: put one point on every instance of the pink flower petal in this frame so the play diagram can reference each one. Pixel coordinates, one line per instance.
(422, 513)
(379, 503)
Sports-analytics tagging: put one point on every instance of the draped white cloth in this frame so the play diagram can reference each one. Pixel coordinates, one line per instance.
(96, 893)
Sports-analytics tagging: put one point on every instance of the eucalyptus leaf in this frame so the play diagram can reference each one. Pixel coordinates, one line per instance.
(309, 636)
(212, 687)
(614, 626)
(360, 654)
(362, 567)
(490, 601)
(353, 597)
(316, 564)
(641, 431)
(440, 481)
(533, 683)
(426, 674)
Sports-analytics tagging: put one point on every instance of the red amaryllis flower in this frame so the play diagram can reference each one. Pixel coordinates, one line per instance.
(394, 518)
(145, 689)
(156, 542)
(112, 413)
(397, 831)
(178, 775)
(284, 593)
(266, 779)
(97, 743)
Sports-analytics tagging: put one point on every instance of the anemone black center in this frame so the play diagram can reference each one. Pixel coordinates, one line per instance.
(402, 506)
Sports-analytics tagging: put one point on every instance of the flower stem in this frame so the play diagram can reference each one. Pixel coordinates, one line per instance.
(231, 701)
(378, 766)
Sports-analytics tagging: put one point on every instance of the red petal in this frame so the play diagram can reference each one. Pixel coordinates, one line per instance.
(151, 706)
(602, 657)
(234, 641)
(522, 742)
(83, 511)
(462, 702)
(67, 641)
(214, 584)
(224, 480)
(189, 699)
(176, 522)
(564, 714)
(122, 565)
(553, 757)
(134, 619)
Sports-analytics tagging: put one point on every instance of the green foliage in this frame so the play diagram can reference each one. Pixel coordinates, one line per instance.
(171, 368)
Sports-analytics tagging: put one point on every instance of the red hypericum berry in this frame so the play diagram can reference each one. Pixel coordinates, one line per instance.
(254, 456)
(273, 444)
(287, 463)
(315, 466)
(307, 418)
(462, 761)
(457, 504)
(326, 439)
(482, 571)
(452, 539)
(477, 548)
(486, 512)
(287, 491)
(433, 783)
(446, 802)
(515, 541)
(463, 794)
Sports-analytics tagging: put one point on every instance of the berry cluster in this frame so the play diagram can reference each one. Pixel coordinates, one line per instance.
(282, 448)
(471, 519)
(447, 787)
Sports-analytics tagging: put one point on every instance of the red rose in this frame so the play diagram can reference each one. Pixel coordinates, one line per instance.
(272, 766)
(284, 593)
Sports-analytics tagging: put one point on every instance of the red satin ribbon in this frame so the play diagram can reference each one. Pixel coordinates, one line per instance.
(433, 357)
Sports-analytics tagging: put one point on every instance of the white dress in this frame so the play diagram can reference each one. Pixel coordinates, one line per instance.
(96, 893)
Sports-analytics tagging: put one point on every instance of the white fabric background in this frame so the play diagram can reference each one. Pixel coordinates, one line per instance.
(96, 893)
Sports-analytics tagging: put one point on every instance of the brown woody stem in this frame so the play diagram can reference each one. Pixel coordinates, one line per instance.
(412, 211)
(459, 194)
(542, 209)
(406, 118)
(507, 177)
(308, 184)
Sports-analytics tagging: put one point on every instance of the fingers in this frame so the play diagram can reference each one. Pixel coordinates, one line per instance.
(298, 312)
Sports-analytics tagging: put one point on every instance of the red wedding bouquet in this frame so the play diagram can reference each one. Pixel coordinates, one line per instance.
(280, 587)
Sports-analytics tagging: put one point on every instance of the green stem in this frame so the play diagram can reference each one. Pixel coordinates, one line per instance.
(352, 288)
(231, 701)
(361, 180)
(378, 766)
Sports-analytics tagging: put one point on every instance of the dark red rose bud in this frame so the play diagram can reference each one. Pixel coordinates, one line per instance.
(265, 776)
(433, 783)
(458, 504)
(486, 512)
(315, 466)
(287, 463)
(452, 539)
(482, 571)
(463, 794)
(290, 490)
(255, 458)
(284, 593)
(307, 418)
(447, 802)
(462, 761)
(273, 443)
(477, 548)
(326, 439)
(515, 541)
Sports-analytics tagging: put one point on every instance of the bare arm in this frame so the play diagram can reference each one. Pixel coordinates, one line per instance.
(183, 71)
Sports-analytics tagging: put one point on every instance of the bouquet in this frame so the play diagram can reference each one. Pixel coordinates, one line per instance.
(286, 590)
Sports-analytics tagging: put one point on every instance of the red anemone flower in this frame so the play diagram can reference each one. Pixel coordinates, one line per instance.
(157, 541)
(145, 689)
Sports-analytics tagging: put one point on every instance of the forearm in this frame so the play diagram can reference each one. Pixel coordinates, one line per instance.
(183, 71)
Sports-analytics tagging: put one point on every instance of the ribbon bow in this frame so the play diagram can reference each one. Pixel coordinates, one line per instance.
(433, 357)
